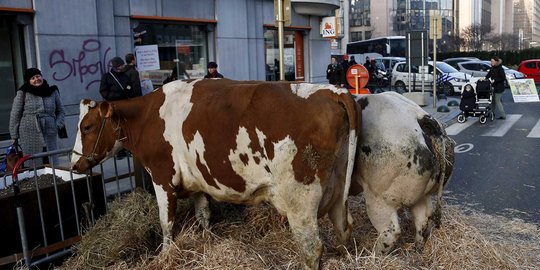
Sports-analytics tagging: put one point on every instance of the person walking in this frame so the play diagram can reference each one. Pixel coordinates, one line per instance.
(334, 72)
(131, 71)
(115, 84)
(36, 115)
(497, 77)
(212, 71)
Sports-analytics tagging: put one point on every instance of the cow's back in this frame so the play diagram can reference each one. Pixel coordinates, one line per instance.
(398, 148)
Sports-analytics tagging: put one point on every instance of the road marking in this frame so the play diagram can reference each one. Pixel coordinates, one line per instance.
(498, 130)
(535, 132)
(463, 148)
(456, 128)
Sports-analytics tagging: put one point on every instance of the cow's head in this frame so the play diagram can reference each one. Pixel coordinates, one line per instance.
(98, 137)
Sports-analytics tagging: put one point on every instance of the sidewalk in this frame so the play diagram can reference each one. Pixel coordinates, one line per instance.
(444, 117)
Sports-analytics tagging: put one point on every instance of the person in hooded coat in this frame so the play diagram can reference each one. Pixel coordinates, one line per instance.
(36, 115)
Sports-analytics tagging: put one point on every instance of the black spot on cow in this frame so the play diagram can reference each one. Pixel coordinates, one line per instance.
(430, 126)
(363, 102)
(244, 158)
(409, 165)
(366, 149)
(266, 168)
(426, 160)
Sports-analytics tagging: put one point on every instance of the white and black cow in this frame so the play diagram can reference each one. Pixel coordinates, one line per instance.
(291, 144)
(404, 157)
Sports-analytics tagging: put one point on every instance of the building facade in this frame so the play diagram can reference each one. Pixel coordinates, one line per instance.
(72, 42)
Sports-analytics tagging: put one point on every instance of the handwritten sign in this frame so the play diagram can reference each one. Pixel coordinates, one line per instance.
(147, 57)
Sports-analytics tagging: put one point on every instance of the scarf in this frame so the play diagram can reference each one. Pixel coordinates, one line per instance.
(44, 90)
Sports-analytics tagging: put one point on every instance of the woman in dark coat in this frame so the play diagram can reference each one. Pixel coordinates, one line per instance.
(497, 76)
(36, 115)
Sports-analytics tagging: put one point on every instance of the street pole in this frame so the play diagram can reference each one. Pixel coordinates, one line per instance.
(435, 64)
(280, 40)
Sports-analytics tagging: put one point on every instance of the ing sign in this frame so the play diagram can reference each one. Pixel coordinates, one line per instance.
(329, 27)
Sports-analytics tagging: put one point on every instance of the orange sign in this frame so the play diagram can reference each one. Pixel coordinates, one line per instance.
(357, 73)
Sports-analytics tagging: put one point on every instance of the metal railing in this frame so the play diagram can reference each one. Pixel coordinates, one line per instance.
(72, 202)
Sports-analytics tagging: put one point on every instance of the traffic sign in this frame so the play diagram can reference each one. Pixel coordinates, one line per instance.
(435, 25)
(357, 76)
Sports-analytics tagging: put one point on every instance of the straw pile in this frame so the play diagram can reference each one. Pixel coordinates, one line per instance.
(252, 237)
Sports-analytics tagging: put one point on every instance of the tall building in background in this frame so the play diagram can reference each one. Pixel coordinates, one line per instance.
(526, 23)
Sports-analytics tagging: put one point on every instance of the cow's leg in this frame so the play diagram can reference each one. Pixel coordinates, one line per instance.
(385, 219)
(166, 199)
(202, 209)
(421, 211)
(342, 221)
(306, 233)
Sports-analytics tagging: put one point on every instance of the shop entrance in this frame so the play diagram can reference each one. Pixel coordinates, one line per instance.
(293, 55)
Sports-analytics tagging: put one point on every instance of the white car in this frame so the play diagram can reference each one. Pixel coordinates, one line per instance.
(451, 81)
(388, 62)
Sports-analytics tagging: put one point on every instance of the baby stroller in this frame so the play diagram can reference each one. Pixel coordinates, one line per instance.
(477, 104)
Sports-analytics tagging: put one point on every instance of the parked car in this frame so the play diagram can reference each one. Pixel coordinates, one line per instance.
(452, 80)
(388, 62)
(454, 61)
(481, 68)
(531, 69)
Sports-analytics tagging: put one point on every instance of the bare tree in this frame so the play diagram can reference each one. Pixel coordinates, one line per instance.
(451, 43)
(504, 41)
(474, 36)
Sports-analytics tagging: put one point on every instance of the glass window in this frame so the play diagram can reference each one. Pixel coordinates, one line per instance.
(180, 46)
(272, 55)
(12, 61)
(530, 65)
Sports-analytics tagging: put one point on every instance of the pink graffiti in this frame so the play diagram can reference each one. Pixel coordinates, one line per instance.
(79, 67)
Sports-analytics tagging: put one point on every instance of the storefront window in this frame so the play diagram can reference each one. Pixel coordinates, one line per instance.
(11, 60)
(293, 59)
(180, 46)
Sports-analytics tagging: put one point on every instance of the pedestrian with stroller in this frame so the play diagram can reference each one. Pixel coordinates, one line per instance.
(497, 77)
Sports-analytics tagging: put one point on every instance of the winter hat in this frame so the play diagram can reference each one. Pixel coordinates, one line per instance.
(117, 62)
(212, 65)
(29, 73)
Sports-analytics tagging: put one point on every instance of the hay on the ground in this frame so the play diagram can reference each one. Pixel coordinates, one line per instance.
(253, 238)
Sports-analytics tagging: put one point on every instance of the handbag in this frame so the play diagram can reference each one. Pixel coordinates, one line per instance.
(62, 132)
(13, 154)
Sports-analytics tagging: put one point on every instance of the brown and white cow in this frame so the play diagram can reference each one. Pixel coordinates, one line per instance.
(291, 144)
(404, 157)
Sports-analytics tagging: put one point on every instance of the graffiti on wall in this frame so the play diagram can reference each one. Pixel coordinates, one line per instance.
(80, 66)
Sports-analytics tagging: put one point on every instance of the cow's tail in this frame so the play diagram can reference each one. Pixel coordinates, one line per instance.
(354, 114)
(446, 158)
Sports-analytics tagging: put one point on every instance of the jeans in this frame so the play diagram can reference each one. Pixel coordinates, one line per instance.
(498, 103)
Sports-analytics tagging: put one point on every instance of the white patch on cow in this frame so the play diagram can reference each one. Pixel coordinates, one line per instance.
(174, 111)
(304, 90)
(163, 205)
(77, 147)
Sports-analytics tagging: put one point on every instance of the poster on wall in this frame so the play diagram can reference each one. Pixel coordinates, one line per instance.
(524, 90)
(147, 57)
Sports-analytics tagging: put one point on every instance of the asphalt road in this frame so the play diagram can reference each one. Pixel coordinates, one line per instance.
(497, 166)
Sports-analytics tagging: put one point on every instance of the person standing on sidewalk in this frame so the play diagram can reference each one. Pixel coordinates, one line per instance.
(334, 72)
(131, 71)
(212, 71)
(497, 76)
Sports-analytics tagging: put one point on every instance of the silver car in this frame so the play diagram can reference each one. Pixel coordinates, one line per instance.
(480, 68)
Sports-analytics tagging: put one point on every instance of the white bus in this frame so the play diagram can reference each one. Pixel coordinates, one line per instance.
(377, 47)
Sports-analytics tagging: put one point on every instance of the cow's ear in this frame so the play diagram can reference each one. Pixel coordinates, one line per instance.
(106, 109)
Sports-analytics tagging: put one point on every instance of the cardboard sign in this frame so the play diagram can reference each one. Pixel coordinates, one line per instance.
(147, 57)
(524, 90)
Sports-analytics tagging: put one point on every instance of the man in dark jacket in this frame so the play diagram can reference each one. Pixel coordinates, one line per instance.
(497, 76)
(116, 85)
(131, 71)
(345, 67)
(334, 72)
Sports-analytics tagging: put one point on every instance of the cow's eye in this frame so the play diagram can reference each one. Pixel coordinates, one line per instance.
(87, 129)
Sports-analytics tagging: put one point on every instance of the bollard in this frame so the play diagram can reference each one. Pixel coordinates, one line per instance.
(453, 103)
(443, 108)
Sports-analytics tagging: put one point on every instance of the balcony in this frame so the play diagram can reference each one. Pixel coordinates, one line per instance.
(315, 7)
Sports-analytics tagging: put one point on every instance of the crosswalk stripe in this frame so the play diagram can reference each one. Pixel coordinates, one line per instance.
(456, 128)
(500, 129)
(535, 132)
